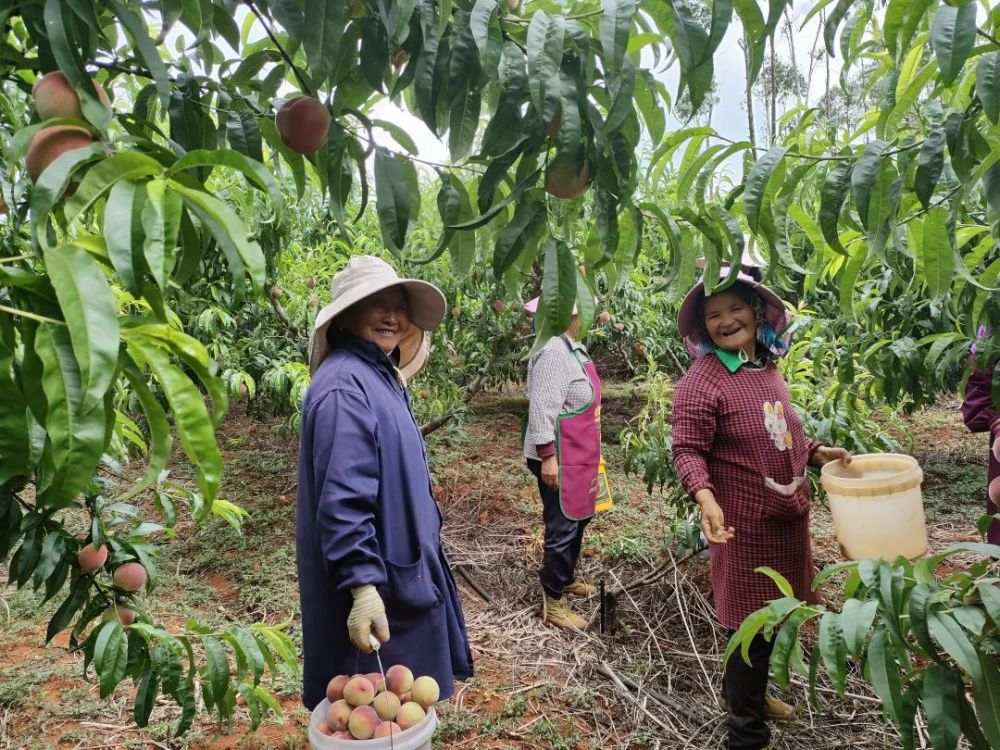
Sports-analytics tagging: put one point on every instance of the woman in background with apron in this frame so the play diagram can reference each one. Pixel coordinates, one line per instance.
(562, 445)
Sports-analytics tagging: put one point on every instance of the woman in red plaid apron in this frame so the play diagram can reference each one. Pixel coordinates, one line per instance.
(741, 453)
(980, 415)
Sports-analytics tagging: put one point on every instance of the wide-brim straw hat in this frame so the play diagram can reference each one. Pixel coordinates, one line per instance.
(363, 276)
(687, 317)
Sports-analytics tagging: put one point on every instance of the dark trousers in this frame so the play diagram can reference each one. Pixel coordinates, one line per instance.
(745, 688)
(563, 539)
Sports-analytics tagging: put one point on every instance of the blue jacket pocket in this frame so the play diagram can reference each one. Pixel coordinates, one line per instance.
(410, 588)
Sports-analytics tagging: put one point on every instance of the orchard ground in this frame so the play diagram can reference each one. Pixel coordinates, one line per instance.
(535, 687)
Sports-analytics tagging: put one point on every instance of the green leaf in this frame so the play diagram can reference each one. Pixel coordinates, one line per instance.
(615, 26)
(722, 16)
(545, 50)
(953, 35)
(856, 619)
(251, 652)
(393, 198)
(779, 580)
(147, 49)
(159, 431)
(921, 597)
(937, 252)
(463, 122)
(425, 83)
(833, 23)
(216, 667)
(523, 231)
(884, 673)
(258, 175)
(161, 221)
(123, 232)
(243, 132)
(193, 354)
(786, 648)
(930, 163)
(76, 434)
(558, 285)
(753, 33)
(942, 686)
(833, 650)
(190, 415)
(988, 85)
(110, 656)
(990, 594)
(280, 643)
(986, 693)
(756, 184)
(499, 206)
(832, 195)
(229, 231)
(78, 595)
(864, 179)
(124, 165)
(15, 450)
(145, 697)
(398, 133)
(743, 637)
(321, 36)
(947, 632)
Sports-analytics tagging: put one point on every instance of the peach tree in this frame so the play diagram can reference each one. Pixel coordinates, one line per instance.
(126, 127)
(926, 642)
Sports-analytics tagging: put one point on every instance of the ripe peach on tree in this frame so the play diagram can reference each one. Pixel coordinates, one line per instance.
(55, 97)
(566, 180)
(92, 559)
(130, 577)
(51, 143)
(303, 123)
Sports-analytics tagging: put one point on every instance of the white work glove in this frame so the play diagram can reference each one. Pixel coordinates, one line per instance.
(367, 614)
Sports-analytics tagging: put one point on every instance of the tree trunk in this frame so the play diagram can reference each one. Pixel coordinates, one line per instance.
(746, 69)
(774, 99)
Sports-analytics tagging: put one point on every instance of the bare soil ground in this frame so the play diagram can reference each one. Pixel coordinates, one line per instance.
(535, 687)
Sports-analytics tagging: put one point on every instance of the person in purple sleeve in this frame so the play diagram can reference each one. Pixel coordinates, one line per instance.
(980, 415)
(368, 530)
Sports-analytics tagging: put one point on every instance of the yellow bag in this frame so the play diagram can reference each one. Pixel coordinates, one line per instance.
(604, 501)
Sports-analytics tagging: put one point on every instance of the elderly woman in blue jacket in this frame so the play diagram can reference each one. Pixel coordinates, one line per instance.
(368, 528)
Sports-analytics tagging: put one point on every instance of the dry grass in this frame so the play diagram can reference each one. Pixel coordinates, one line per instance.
(652, 684)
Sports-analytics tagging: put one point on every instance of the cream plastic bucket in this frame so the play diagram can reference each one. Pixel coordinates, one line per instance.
(415, 738)
(877, 507)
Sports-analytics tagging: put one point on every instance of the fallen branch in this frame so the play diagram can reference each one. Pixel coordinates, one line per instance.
(438, 422)
(460, 569)
(627, 685)
(652, 576)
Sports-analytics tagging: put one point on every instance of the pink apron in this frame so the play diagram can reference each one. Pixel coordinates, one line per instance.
(578, 447)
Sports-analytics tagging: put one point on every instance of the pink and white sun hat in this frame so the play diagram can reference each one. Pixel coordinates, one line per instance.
(531, 306)
(687, 317)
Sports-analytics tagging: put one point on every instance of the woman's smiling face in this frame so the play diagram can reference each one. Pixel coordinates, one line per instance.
(382, 318)
(731, 323)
